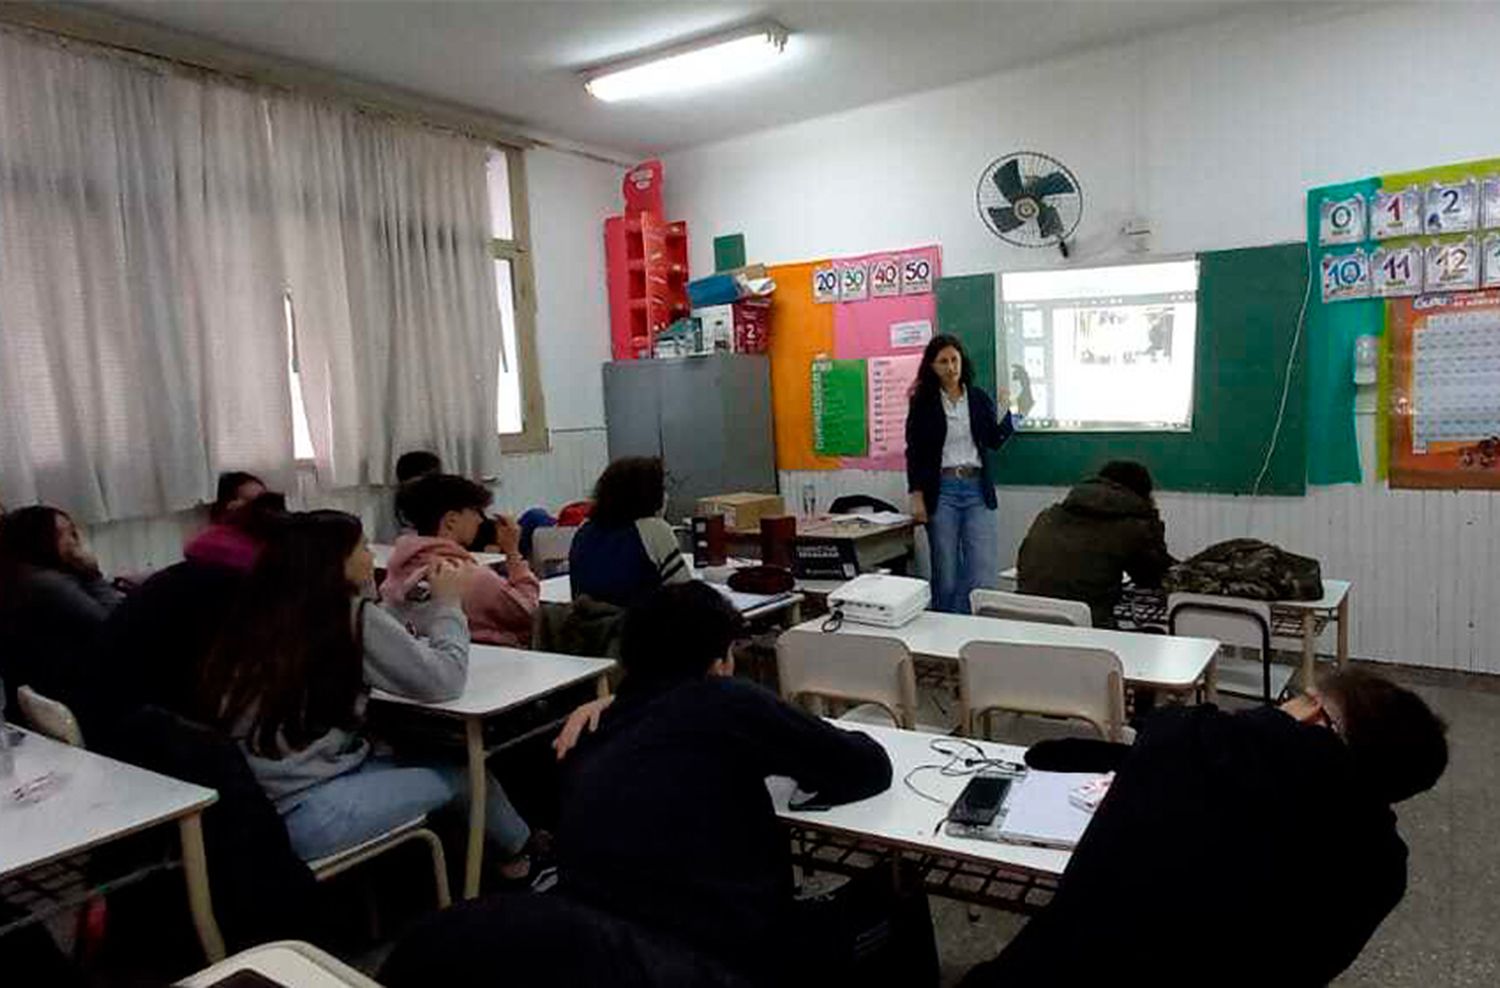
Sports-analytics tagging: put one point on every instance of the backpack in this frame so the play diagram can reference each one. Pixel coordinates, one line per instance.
(1247, 568)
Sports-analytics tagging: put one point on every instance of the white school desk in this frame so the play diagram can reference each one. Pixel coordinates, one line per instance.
(1296, 624)
(382, 554)
(287, 962)
(558, 590)
(99, 800)
(1160, 661)
(902, 820)
(501, 679)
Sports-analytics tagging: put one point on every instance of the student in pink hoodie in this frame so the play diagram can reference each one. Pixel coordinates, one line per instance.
(446, 512)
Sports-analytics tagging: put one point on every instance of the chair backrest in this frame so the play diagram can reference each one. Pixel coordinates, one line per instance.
(549, 549)
(1025, 607)
(854, 668)
(49, 716)
(1087, 684)
(1227, 620)
(848, 504)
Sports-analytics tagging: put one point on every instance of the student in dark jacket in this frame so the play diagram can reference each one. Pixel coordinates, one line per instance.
(948, 426)
(665, 818)
(626, 550)
(53, 601)
(1106, 527)
(1251, 849)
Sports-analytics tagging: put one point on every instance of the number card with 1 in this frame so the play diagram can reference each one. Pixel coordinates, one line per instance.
(1452, 267)
(1397, 213)
(854, 282)
(1396, 271)
(1452, 208)
(1346, 276)
(885, 277)
(1342, 221)
(916, 274)
(825, 282)
(1490, 204)
(1492, 261)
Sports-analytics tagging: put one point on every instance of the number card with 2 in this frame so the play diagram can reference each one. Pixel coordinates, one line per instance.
(1492, 261)
(916, 274)
(1397, 213)
(854, 282)
(1396, 271)
(825, 284)
(885, 277)
(1346, 276)
(1342, 221)
(1452, 267)
(1452, 208)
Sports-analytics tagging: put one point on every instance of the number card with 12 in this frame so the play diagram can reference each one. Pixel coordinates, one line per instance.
(1452, 267)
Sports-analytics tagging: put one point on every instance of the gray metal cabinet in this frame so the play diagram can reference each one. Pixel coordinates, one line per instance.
(708, 418)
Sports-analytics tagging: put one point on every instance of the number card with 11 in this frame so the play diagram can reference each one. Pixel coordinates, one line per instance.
(1396, 271)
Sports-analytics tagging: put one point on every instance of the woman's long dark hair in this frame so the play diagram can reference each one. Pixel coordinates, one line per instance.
(28, 541)
(630, 488)
(928, 385)
(289, 658)
(228, 489)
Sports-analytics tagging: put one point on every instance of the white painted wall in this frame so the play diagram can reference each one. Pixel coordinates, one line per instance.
(1213, 133)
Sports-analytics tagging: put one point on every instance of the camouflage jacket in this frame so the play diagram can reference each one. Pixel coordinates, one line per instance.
(1247, 568)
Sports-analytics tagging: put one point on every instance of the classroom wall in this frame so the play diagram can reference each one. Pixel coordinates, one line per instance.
(1213, 134)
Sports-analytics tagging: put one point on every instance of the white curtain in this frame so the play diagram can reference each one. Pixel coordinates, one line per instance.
(384, 228)
(142, 341)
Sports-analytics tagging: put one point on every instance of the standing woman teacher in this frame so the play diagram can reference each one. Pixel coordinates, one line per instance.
(950, 421)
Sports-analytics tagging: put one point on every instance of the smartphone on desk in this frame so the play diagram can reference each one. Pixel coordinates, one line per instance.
(980, 802)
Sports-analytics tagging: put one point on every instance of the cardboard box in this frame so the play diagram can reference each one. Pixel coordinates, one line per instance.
(742, 511)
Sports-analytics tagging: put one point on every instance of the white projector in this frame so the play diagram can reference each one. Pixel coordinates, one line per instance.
(888, 601)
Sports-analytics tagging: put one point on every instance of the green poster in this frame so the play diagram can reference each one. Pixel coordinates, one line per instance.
(839, 408)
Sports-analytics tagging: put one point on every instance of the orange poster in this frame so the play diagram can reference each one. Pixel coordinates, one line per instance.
(800, 330)
(1445, 395)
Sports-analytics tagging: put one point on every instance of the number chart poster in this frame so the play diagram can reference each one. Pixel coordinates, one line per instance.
(1445, 391)
(1376, 244)
(879, 309)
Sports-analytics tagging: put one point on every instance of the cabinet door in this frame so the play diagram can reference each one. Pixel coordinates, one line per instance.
(692, 432)
(749, 454)
(632, 408)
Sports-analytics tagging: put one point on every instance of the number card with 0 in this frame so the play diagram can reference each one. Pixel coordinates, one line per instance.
(1492, 261)
(854, 282)
(1490, 205)
(1346, 276)
(1342, 221)
(1452, 267)
(916, 274)
(1452, 208)
(1396, 271)
(825, 284)
(1397, 213)
(885, 277)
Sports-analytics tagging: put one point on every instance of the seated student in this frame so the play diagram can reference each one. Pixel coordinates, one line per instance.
(419, 463)
(1239, 828)
(1079, 549)
(235, 489)
(626, 550)
(665, 820)
(53, 601)
(289, 679)
(445, 511)
(236, 531)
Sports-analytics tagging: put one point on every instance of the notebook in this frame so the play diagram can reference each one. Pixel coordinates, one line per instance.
(1038, 810)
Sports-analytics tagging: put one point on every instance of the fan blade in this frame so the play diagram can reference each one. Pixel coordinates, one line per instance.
(1051, 185)
(1007, 179)
(1005, 219)
(1049, 222)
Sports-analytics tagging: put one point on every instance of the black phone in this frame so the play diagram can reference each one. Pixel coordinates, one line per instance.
(980, 802)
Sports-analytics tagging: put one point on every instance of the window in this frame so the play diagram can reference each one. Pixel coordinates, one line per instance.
(1102, 349)
(521, 416)
(302, 446)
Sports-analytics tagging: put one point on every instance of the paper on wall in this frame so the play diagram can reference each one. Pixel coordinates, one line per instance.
(890, 385)
(825, 282)
(910, 334)
(917, 272)
(854, 282)
(885, 277)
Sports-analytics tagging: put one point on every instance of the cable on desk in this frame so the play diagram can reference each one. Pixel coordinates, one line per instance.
(965, 758)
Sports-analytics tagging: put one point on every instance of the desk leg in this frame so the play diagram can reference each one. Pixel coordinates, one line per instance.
(1211, 681)
(1309, 648)
(478, 784)
(1343, 619)
(601, 687)
(200, 901)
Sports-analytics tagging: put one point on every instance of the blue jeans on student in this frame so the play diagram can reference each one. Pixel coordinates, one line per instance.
(965, 542)
(354, 807)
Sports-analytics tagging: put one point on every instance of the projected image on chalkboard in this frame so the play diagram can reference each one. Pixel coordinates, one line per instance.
(1102, 349)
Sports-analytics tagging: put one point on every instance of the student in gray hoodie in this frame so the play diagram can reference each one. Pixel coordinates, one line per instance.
(291, 673)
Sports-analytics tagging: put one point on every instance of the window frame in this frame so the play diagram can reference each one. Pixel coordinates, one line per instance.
(533, 437)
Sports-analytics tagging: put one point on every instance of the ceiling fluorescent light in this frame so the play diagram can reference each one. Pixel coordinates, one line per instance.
(696, 65)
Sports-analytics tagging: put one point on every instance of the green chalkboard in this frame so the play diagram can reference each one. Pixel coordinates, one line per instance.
(1248, 302)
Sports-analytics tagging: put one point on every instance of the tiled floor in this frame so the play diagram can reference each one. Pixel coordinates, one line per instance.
(1446, 932)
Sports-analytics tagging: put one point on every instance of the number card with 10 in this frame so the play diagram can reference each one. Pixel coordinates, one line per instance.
(1346, 276)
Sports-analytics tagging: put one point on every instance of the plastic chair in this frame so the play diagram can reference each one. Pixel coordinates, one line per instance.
(1086, 684)
(549, 550)
(848, 504)
(1024, 607)
(49, 717)
(873, 672)
(341, 861)
(1232, 621)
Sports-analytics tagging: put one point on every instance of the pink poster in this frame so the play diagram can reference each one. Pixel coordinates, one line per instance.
(890, 380)
(863, 329)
